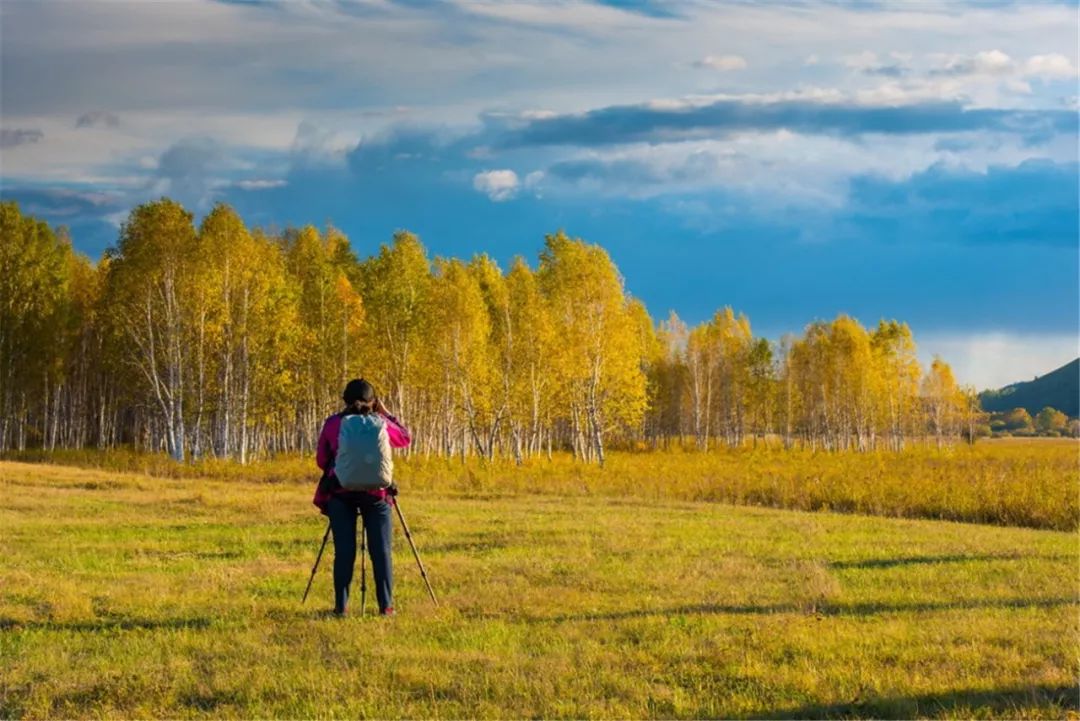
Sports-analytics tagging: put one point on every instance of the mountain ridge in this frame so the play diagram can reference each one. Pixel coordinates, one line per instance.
(1059, 389)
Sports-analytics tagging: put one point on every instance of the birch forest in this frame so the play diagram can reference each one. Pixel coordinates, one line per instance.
(219, 340)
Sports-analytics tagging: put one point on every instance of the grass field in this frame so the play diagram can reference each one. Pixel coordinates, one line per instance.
(129, 595)
(1015, 482)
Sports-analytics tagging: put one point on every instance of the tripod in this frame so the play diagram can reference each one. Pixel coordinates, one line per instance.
(408, 535)
(363, 559)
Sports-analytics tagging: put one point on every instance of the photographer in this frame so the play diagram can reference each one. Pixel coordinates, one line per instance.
(354, 455)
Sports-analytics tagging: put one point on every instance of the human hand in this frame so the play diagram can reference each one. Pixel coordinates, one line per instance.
(380, 408)
(392, 490)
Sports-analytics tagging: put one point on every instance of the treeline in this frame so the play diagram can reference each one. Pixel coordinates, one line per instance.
(225, 341)
(1049, 422)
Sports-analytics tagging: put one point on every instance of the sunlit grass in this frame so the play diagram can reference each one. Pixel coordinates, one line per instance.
(137, 596)
(1009, 482)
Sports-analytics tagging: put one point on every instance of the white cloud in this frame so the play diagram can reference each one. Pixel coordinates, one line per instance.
(984, 62)
(499, 185)
(260, 184)
(992, 62)
(582, 16)
(861, 61)
(987, 78)
(534, 183)
(116, 219)
(993, 360)
(315, 145)
(723, 63)
(538, 114)
(784, 167)
(1053, 65)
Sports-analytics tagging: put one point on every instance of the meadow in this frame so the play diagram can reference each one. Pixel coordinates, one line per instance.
(594, 595)
(1030, 482)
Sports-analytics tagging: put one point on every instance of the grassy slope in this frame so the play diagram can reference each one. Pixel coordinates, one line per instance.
(136, 596)
(1060, 389)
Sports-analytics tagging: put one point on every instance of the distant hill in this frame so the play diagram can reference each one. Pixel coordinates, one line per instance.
(1058, 389)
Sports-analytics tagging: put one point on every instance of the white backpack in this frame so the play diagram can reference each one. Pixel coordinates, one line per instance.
(363, 460)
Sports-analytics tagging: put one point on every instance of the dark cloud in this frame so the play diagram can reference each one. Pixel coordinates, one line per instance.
(405, 147)
(895, 70)
(63, 201)
(1032, 204)
(642, 123)
(86, 213)
(19, 136)
(649, 8)
(97, 118)
(632, 171)
(189, 167)
(198, 170)
(698, 166)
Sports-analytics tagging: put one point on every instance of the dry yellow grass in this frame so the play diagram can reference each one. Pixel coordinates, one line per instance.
(1021, 482)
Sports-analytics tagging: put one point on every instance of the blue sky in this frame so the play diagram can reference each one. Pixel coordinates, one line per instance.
(795, 160)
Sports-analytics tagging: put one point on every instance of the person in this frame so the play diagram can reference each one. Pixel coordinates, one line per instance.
(342, 505)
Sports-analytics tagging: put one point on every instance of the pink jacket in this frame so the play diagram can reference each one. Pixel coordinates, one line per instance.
(326, 452)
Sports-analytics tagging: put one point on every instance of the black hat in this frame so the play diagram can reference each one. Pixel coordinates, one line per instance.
(358, 389)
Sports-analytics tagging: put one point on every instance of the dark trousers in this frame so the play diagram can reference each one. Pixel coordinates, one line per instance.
(378, 518)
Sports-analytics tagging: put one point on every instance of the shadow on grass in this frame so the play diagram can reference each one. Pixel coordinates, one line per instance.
(929, 560)
(821, 609)
(471, 547)
(106, 624)
(210, 701)
(997, 701)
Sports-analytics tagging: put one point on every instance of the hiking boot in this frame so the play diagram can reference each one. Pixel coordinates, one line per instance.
(388, 611)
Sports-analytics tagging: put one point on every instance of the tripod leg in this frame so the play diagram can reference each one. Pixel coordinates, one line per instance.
(363, 566)
(318, 558)
(408, 535)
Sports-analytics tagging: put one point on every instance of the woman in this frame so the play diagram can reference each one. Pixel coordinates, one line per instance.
(342, 505)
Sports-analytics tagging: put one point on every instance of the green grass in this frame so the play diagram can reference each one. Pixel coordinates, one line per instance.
(127, 595)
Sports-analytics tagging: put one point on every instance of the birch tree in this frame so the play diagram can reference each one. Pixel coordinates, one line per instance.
(150, 276)
(597, 361)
